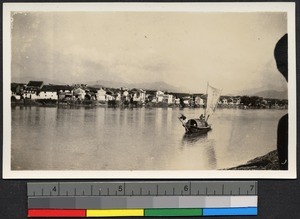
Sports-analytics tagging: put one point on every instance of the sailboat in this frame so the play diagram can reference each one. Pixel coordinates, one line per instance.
(200, 125)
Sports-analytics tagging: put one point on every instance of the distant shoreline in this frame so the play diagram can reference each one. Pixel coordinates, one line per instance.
(117, 104)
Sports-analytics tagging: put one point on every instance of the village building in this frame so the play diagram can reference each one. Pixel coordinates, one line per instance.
(159, 96)
(139, 95)
(177, 101)
(118, 96)
(17, 90)
(199, 102)
(187, 100)
(109, 96)
(32, 88)
(34, 85)
(169, 99)
(224, 101)
(125, 96)
(79, 93)
(101, 95)
(48, 92)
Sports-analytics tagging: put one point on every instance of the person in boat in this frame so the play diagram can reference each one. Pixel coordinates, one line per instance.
(182, 117)
(202, 119)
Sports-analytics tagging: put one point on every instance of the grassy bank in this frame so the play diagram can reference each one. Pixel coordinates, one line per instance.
(266, 162)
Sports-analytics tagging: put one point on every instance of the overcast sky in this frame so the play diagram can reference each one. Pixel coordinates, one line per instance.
(233, 51)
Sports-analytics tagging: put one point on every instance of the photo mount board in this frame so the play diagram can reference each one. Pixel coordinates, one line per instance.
(8, 8)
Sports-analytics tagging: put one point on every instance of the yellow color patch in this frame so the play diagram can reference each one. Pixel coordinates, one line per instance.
(115, 213)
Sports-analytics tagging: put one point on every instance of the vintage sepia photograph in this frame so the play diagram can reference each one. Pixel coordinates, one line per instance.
(184, 90)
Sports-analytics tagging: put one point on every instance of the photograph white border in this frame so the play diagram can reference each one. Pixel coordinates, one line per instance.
(287, 7)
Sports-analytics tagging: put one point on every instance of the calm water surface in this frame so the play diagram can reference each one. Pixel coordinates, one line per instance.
(45, 138)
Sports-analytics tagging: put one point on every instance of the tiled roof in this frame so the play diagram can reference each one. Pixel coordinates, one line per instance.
(35, 84)
(56, 87)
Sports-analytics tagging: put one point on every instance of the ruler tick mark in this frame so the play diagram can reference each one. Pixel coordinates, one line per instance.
(124, 189)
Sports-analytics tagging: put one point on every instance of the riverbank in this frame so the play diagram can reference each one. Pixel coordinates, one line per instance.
(265, 162)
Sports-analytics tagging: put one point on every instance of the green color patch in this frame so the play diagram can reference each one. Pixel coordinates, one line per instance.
(173, 212)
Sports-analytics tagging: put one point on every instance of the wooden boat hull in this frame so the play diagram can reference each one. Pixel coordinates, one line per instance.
(200, 130)
(195, 126)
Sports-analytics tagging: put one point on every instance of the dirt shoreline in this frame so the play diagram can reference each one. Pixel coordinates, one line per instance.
(266, 162)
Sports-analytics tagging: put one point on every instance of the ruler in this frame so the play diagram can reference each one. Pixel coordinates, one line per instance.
(142, 198)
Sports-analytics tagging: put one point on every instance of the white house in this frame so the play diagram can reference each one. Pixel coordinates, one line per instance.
(118, 96)
(199, 101)
(159, 96)
(139, 96)
(47, 92)
(126, 95)
(48, 95)
(79, 93)
(101, 95)
(224, 101)
(168, 98)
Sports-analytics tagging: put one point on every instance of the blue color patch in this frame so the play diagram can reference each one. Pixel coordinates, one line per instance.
(229, 211)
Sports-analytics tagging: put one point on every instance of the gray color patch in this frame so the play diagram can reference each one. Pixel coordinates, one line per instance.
(191, 201)
(217, 202)
(165, 202)
(63, 202)
(88, 202)
(139, 202)
(113, 202)
(38, 202)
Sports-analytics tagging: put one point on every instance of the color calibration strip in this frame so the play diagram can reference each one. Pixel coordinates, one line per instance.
(146, 198)
(142, 212)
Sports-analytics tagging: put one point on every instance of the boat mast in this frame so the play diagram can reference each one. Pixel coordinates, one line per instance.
(206, 101)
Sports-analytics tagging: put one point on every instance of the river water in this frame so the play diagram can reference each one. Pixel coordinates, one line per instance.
(83, 138)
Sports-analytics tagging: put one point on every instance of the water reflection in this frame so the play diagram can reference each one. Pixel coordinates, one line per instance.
(211, 155)
(193, 139)
(205, 144)
(85, 138)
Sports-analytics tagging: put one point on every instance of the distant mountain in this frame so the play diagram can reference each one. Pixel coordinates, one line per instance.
(25, 80)
(148, 86)
(272, 94)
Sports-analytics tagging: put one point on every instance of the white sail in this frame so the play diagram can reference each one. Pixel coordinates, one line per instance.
(213, 95)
